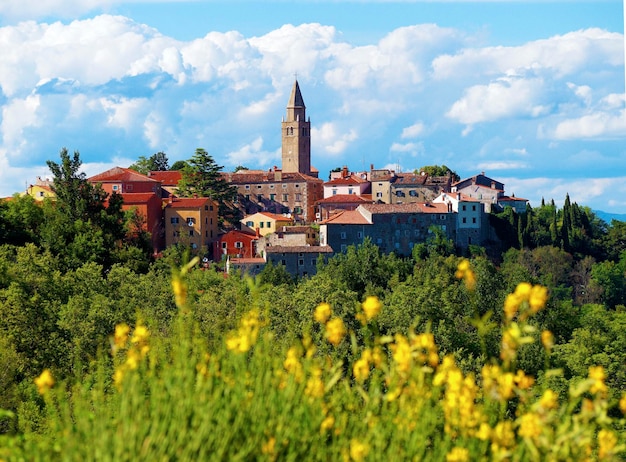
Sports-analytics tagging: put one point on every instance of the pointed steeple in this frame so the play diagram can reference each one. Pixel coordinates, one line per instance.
(296, 135)
(296, 110)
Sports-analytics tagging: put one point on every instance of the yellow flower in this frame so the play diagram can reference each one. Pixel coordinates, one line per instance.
(121, 335)
(358, 450)
(547, 340)
(361, 369)
(371, 307)
(484, 432)
(511, 305)
(140, 335)
(548, 400)
(118, 376)
(327, 424)
(596, 373)
(457, 454)
(335, 331)
(537, 298)
(465, 272)
(523, 290)
(529, 425)
(44, 382)
(606, 443)
(268, 447)
(401, 353)
(315, 385)
(322, 313)
(179, 287)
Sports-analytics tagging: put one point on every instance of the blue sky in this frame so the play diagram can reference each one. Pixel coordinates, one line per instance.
(531, 93)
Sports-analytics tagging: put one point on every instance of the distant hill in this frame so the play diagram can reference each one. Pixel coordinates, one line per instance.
(610, 216)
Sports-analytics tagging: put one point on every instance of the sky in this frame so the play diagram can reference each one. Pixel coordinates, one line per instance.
(529, 92)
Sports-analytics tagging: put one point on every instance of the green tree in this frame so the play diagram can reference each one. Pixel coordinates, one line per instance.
(436, 170)
(155, 163)
(202, 177)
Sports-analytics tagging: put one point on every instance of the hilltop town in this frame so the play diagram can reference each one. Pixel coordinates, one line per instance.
(290, 216)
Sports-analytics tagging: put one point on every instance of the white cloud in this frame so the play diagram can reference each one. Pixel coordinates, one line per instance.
(593, 125)
(413, 131)
(501, 165)
(252, 155)
(18, 115)
(331, 139)
(414, 149)
(504, 98)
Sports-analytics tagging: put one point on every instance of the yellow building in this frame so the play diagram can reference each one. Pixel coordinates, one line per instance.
(190, 221)
(265, 223)
(41, 190)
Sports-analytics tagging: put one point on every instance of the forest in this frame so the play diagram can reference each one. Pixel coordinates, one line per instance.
(77, 275)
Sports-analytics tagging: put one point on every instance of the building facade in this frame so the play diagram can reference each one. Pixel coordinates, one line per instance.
(191, 221)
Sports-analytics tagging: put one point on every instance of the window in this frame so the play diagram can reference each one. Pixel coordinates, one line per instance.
(334, 192)
(343, 247)
(474, 220)
(298, 197)
(272, 197)
(250, 224)
(191, 221)
(350, 191)
(301, 262)
(259, 186)
(297, 185)
(413, 193)
(473, 208)
(343, 235)
(247, 186)
(191, 232)
(259, 197)
(174, 220)
(211, 207)
(314, 261)
(359, 234)
(115, 187)
(464, 208)
(261, 224)
(379, 194)
(176, 233)
(238, 245)
(271, 186)
(129, 187)
(285, 197)
(224, 245)
(247, 196)
(206, 207)
(297, 210)
(284, 185)
(40, 193)
(464, 220)
(194, 245)
(283, 262)
(269, 224)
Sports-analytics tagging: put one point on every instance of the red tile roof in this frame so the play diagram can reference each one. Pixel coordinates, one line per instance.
(415, 207)
(352, 179)
(186, 202)
(261, 176)
(120, 174)
(346, 217)
(299, 249)
(167, 178)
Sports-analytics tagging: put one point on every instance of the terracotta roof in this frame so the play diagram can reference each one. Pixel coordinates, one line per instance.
(120, 174)
(346, 217)
(511, 199)
(186, 202)
(167, 178)
(352, 179)
(247, 232)
(343, 199)
(294, 229)
(137, 198)
(261, 176)
(299, 249)
(464, 197)
(273, 216)
(415, 207)
(247, 261)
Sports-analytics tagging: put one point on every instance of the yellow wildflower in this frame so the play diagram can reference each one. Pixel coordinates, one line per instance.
(361, 369)
(465, 272)
(335, 331)
(597, 374)
(268, 447)
(118, 376)
(511, 305)
(523, 381)
(548, 400)
(547, 340)
(140, 335)
(457, 454)
(523, 290)
(179, 287)
(606, 443)
(322, 313)
(537, 298)
(371, 307)
(121, 335)
(315, 385)
(292, 362)
(327, 424)
(401, 353)
(132, 358)
(358, 450)
(502, 436)
(484, 432)
(44, 382)
(529, 425)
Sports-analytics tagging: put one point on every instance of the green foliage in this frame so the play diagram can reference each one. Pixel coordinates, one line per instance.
(436, 170)
(202, 177)
(156, 162)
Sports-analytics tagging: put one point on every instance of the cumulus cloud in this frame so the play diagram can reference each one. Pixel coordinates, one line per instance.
(253, 155)
(506, 97)
(332, 140)
(413, 131)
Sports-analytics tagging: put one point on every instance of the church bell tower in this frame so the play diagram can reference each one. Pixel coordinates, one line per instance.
(296, 135)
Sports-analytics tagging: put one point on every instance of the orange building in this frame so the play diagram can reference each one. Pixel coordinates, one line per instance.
(191, 221)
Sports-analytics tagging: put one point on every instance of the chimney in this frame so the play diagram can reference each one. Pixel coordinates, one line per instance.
(344, 172)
